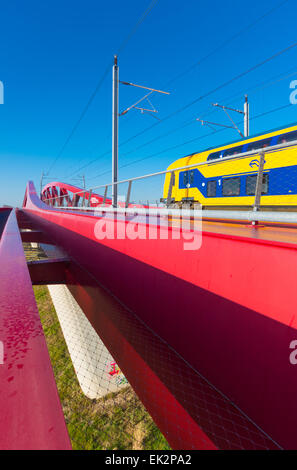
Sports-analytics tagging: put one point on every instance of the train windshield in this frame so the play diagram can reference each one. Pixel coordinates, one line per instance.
(216, 155)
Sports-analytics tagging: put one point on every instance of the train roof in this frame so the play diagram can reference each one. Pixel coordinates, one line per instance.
(239, 141)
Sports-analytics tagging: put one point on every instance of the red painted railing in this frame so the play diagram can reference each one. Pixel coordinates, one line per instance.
(31, 415)
(58, 194)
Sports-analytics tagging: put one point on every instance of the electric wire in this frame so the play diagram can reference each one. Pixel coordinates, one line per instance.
(100, 82)
(190, 141)
(186, 123)
(214, 90)
(228, 41)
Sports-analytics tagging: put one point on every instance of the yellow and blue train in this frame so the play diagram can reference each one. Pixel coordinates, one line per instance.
(223, 181)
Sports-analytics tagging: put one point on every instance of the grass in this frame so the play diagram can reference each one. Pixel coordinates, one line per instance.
(118, 421)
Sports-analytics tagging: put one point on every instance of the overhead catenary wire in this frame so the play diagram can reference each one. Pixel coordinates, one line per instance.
(200, 98)
(227, 41)
(188, 142)
(222, 45)
(186, 123)
(219, 87)
(100, 82)
(207, 113)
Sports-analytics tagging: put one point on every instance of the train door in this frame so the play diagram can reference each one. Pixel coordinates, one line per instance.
(188, 180)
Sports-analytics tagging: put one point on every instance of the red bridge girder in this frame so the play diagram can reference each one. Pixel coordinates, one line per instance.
(50, 191)
(225, 311)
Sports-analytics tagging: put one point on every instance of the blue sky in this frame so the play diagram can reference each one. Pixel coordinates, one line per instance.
(53, 54)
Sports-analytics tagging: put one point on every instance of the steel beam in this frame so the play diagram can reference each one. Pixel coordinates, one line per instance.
(48, 271)
(34, 236)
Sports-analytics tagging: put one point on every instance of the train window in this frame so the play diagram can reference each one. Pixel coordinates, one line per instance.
(231, 187)
(289, 137)
(211, 188)
(259, 144)
(185, 178)
(232, 152)
(215, 155)
(192, 177)
(251, 181)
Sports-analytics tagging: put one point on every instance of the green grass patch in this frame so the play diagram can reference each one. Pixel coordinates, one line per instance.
(116, 421)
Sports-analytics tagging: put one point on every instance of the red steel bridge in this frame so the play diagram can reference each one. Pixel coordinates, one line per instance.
(203, 336)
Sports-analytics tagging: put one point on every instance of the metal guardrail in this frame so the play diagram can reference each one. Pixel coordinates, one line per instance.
(248, 216)
(253, 216)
